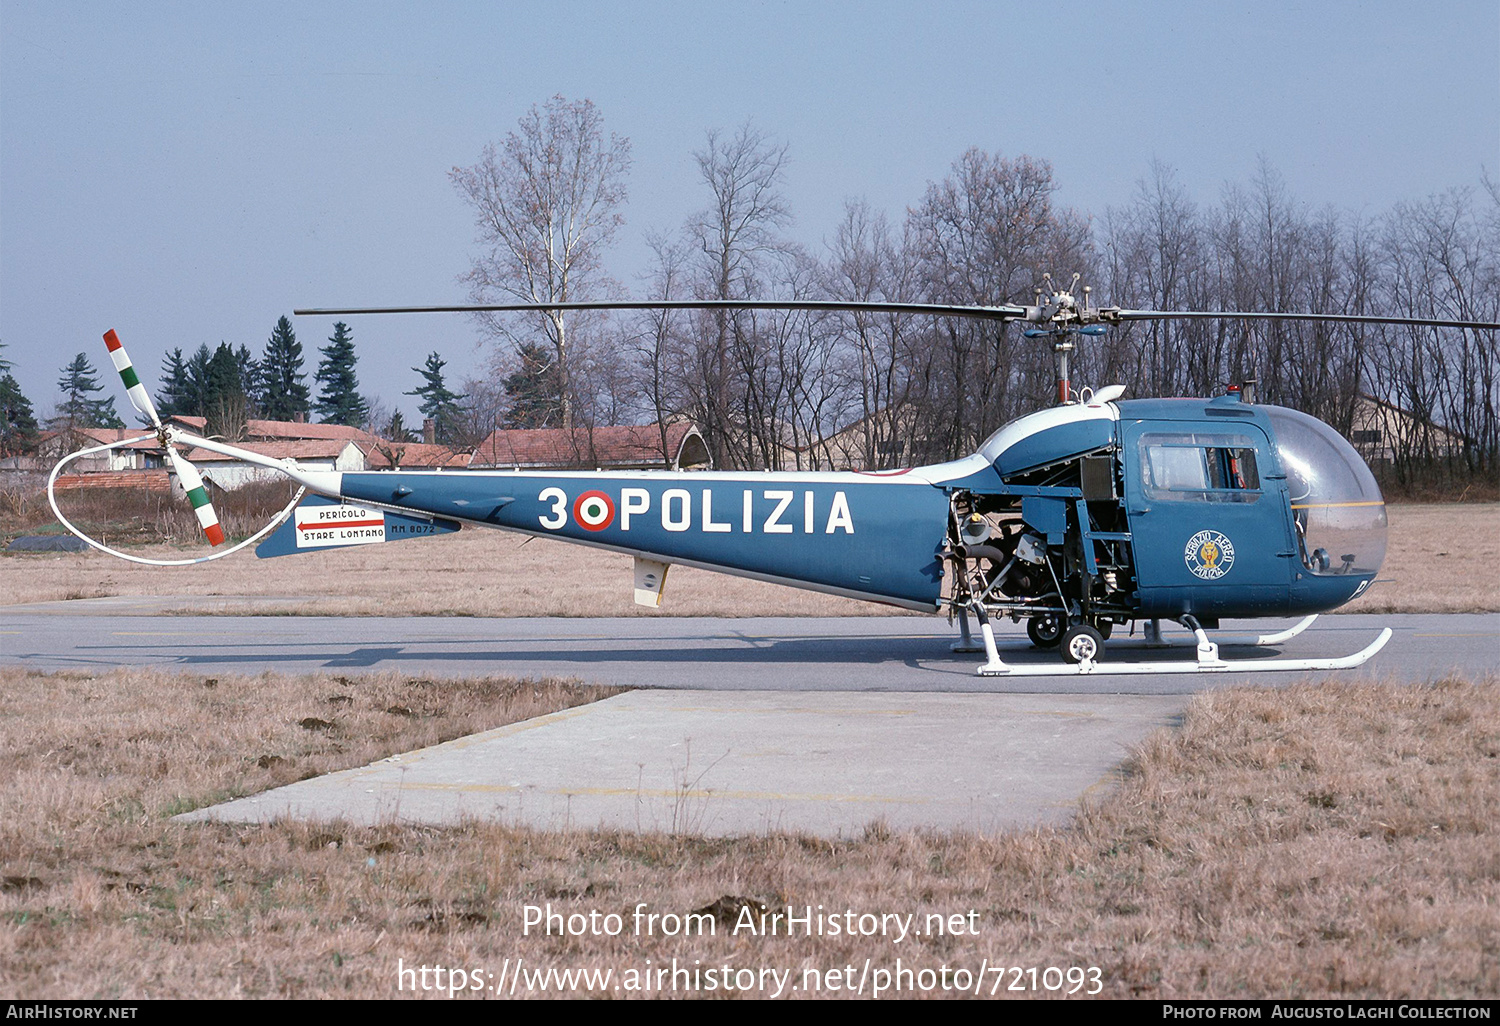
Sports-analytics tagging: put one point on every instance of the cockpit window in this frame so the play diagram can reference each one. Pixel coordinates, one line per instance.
(1199, 466)
(1336, 505)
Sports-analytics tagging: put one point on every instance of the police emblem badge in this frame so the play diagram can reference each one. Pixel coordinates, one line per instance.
(1209, 555)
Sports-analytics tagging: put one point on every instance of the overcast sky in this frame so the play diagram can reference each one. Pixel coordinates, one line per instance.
(187, 173)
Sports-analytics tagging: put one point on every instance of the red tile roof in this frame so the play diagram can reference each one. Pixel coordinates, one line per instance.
(91, 436)
(283, 438)
(296, 448)
(274, 430)
(413, 454)
(154, 480)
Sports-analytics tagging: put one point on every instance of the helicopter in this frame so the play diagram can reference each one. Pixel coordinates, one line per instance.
(1078, 519)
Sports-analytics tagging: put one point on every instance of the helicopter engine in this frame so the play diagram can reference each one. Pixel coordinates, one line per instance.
(1010, 561)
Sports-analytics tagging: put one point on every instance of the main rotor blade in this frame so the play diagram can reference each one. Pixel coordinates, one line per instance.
(987, 313)
(1198, 315)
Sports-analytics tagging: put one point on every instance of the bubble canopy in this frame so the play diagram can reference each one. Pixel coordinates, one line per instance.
(1336, 504)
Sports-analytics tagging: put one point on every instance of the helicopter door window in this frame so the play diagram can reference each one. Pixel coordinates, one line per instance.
(1199, 467)
(1233, 469)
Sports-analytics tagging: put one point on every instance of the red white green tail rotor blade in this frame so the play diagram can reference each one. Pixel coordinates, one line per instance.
(192, 484)
(139, 397)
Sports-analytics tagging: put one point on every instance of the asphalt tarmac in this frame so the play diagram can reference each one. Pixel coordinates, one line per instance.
(898, 653)
(816, 725)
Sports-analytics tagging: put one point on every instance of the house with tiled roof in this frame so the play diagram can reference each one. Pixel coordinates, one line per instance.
(318, 447)
(1382, 431)
(311, 453)
(54, 445)
(382, 454)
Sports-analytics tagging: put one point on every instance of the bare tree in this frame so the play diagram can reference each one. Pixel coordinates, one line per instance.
(659, 344)
(1155, 260)
(1441, 262)
(742, 225)
(1262, 250)
(487, 404)
(986, 233)
(546, 202)
(738, 238)
(812, 396)
(885, 367)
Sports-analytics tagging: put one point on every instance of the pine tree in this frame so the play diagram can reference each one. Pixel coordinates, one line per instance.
(249, 369)
(18, 427)
(175, 396)
(283, 382)
(224, 396)
(340, 401)
(77, 410)
(397, 431)
(438, 402)
(197, 387)
(535, 390)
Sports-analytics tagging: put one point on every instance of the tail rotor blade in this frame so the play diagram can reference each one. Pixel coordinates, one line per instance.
(192, 484)
(139, 397)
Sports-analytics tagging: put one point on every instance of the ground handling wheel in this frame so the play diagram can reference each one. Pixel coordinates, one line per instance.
(1080, 642)
(1044, 630)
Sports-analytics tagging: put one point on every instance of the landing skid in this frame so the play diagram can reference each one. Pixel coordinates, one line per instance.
(1155, 638)
(1208, 660)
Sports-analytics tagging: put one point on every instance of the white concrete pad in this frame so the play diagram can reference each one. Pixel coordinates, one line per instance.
(751, 762)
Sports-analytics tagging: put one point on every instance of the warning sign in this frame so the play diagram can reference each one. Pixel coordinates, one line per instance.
(338, 525)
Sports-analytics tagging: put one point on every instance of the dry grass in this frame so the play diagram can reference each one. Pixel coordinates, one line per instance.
(476, 572)
(1443, 558)
(1330, 840)
(1439, 561)
(135, 516)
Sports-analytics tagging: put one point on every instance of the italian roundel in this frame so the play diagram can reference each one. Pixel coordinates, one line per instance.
(594, 511)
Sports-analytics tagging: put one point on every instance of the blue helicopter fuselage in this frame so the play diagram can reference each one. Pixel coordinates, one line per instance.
(1156, 508)
(866, 536)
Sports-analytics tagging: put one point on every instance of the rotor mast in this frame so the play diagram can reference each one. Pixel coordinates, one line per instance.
(1063, 317)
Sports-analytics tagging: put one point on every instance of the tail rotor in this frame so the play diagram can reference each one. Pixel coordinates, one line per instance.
(187, 474)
